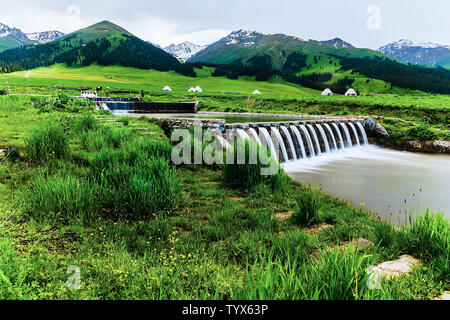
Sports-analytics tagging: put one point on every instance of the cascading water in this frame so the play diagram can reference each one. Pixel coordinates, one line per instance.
(312, 154)
(290, 141)
(347, 135)
(252, 133)
(316, 139)
(355, 133)
(324, 138)
(293, 136)
(330, 132)
(341, 141)
(268, 141)
(297, 134)
(363, 133)
(242, 134)
(280, 141)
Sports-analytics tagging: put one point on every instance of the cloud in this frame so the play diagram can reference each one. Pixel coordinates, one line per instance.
(163, 31)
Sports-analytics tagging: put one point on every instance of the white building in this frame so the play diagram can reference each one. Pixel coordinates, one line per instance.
(256, 92)
(198, 89)
(89, 94)
(350, 92)
(327, 92)
(191, 90)
(167, 89)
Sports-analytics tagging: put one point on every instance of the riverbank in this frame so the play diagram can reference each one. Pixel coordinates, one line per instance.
(208, 240)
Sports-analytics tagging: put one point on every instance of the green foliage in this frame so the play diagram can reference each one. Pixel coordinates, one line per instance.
(308, 205)
(48, 143)
(422, 132)
(62, 103)
(248, 175)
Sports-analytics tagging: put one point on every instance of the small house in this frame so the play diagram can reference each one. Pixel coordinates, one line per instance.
(256, 92)
(167, 89)
(198, 89)
(191, 90)
(327, 92)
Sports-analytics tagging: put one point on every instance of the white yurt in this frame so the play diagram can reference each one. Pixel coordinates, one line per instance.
(167, 89)
(350, 92)
(256, 92)
(327, 92)
(198, 89)
(191, 90)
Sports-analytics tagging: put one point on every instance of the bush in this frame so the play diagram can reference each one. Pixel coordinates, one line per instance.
(62, 103)
(422, 132)
(47, 144)
(308, 205)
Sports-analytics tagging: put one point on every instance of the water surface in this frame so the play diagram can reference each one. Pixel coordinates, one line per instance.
(392, 182)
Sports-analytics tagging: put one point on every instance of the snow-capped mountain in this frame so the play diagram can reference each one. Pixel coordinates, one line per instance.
(183, 51)
(418, 52)
(44, 37)
(15, 33)
(242, 38)
(337, 43)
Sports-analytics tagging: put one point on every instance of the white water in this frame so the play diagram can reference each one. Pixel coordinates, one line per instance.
(341, 141)
(392, 182)
(267, 141)
(316, 139)
(297, 134)
(324, 138)
(330, 132)
(291, 143)
(312, 154)
(355, 133)
(280, 141)
(347, 135)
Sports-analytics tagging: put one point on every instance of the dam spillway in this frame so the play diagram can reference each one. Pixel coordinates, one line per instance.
(292, 141)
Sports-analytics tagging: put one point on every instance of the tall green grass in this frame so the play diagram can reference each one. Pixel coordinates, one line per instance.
(48, 143)
(308, 205)
(336, 275)
(248, 175)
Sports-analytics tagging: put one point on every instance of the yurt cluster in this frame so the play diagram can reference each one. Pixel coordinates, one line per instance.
(350, 92)
(199, 90)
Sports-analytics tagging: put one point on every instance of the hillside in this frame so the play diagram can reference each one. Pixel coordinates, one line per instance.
(318, 65)
(104, 43)
(12, 38)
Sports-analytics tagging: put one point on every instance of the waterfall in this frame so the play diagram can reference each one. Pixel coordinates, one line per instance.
(280, 141)
(324, 138)
(242, 134)
(297, 134)
(309, 141)
(268, 141)
(291, 143)
(330, 132)
(252, 133)
(316, 139)
(341, 141)
(354, 132)
(347, 135)
(363, 133)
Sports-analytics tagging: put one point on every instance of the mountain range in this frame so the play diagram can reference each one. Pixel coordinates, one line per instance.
(316, 64)
(14, 37)
(426, 53)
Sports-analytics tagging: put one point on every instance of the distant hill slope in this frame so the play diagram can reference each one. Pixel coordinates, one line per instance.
(418, 52)
(335, 64)
(104, 43)
(45, 36)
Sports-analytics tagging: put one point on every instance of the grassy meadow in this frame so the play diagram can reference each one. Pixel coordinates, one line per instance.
(82, 187)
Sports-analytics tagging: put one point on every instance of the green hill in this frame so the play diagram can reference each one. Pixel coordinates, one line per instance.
(10, 42)
(104, 43)
(317, 65)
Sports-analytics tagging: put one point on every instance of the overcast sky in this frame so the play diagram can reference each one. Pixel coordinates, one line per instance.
(364, 23)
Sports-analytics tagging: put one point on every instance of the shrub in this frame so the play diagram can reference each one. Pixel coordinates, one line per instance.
(62, 103)
(422, 132)
(308, 205)
(48, 143)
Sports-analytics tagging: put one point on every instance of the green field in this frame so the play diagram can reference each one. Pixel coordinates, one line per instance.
(75, 191)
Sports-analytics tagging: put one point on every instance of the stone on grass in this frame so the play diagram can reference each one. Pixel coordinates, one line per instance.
(396, 268)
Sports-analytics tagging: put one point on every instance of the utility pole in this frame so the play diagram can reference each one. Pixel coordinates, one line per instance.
(248, 103)
(7, 88)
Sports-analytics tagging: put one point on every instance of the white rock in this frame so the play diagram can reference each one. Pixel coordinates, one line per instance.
(396, 268)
